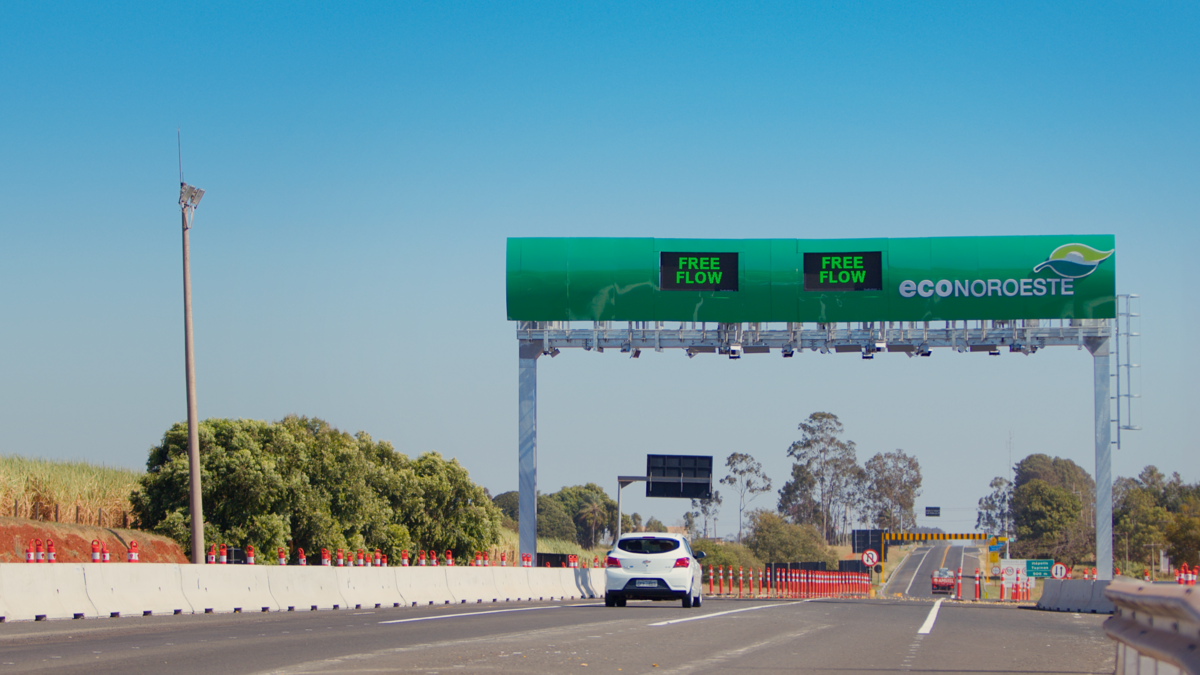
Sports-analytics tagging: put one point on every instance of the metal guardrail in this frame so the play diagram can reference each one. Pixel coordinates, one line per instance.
(1156, 626)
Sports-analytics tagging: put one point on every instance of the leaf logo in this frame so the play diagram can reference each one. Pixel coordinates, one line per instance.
(1074, 261)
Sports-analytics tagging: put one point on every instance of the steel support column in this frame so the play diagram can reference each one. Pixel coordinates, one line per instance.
(527, 446)
(1103, 402)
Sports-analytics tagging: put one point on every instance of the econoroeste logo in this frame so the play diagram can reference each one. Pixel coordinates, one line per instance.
(1073, 261)
(1069, 262)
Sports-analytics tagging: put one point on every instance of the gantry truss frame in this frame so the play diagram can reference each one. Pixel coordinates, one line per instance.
(1027, 336)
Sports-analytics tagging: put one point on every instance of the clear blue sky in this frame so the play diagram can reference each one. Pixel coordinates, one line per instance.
(364, 165)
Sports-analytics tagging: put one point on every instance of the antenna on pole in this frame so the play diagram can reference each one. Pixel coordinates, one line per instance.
(179, 145)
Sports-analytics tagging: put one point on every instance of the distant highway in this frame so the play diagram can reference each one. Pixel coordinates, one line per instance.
(913, 577)
(724, 636)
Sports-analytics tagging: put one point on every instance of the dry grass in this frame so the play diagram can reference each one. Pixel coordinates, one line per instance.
(509, 543)
(41, 489)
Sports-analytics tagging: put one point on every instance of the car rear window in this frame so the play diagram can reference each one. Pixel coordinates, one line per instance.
(648, 545)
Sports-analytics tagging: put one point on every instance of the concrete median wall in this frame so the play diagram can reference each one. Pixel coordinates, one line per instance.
(134, 590)
(49, 591)
(424, 585)
(90, 590)
(1075, 595)
(369, 587)
(227, 588)
(305, 588)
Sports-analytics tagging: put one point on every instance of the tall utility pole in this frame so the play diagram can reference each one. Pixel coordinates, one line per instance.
(189, 199)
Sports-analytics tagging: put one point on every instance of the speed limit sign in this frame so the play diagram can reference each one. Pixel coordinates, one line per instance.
(1059, 571)
(870, 558)
(995, 570)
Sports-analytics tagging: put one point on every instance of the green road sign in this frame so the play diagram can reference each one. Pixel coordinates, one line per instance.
(1038, 568)
(813, 280)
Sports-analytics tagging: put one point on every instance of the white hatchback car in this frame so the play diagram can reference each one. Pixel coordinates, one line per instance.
(653, 566)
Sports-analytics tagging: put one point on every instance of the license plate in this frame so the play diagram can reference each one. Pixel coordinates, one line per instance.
(646, 583)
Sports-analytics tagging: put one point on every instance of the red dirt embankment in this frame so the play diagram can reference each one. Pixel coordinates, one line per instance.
(73, 543)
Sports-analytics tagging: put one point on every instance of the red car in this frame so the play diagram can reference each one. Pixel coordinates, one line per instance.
(943, 581)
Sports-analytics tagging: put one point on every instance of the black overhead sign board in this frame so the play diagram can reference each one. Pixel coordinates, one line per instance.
(661, 469)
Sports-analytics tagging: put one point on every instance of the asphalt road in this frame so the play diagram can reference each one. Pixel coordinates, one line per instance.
(915, 575)
(825, 636)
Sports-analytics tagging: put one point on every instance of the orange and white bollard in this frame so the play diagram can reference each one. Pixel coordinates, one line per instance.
(31, 557)
(378, 558)
(95, 551)
(486, 561)
(433, 558)
(449, 558)
(977, 596)
(478, 562)
(249, 554)
(326, 559)
(710, 579)
(340, 558)
(51, 554)
(224, 555)
(133, 555)
(282, 557)
(104, 552)
(740, 573)
(958, 584)
(303, 560)
(420, 558)
(212, 555)
(359, 558)
(404, 558)
(39, 551)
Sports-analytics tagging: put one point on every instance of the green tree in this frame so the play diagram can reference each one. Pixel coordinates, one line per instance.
(797, 498)
(573, 498)
(509, 504)
(553, 521)
(708, 509)
(594, 515)
(1042, 515)
(728, 555)
(772, 539)
(994, 514)
(829, 459)
(300, 483)
(1183, 534)
(895, 483)
(655, 525)
(747, 479)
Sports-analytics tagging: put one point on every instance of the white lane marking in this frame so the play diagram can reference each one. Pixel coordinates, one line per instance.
(459, 616)
(928, 625)
(914, 576)
(709, 616)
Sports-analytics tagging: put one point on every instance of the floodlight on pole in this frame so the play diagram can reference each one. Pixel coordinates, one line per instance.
(189, 199)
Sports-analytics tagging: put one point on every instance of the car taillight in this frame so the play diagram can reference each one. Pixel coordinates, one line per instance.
(683, 562)
(612, 562)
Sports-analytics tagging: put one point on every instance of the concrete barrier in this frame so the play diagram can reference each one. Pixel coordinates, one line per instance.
(472, 585)
(1075, 595)
(136, 590)
(1100, 603)
(512, 584)
(424, 585)
(305, 588)
(47, 591)
(227, 588)
(553, 583)
(1051, 591)
(369, 587)
(588, 583)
